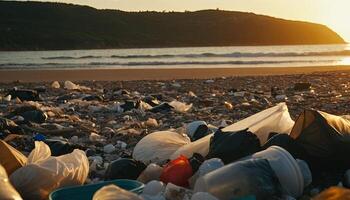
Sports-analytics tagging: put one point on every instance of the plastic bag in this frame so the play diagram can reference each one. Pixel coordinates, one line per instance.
(43, 173)
(113, 192)
(180, 107)
(124, 168)
(7, 192)
(231, 146)
(325, 138)
(10, 158)
(157, 147)
(275, 119)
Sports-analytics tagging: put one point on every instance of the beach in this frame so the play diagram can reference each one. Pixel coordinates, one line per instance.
(87, 114)
(40, 75)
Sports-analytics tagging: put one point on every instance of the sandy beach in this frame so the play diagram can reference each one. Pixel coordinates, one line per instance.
(154, 74)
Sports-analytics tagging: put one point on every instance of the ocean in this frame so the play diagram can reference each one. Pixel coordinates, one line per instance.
(189, 57)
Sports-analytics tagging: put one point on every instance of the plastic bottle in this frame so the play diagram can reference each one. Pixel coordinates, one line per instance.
(266, 174)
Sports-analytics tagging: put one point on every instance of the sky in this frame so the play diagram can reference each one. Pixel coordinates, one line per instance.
(333, 13)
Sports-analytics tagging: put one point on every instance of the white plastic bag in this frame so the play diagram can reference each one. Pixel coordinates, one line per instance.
(113, 192)
(44, 173)
(159, 146)
(7, 192)
(180, 107)
(275, 119)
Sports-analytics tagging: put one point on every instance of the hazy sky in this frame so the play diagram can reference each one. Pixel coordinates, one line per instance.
(333, 13)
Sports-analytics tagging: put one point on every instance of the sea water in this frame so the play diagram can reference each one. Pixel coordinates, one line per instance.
(189, 57)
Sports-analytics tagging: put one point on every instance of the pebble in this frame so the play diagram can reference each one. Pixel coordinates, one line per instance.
(109, 148)
(55, 85)
(153, 188)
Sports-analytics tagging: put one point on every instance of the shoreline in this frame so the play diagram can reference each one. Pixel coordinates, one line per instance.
(38, 75)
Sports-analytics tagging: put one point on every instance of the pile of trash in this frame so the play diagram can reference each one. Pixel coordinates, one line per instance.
(79, 142)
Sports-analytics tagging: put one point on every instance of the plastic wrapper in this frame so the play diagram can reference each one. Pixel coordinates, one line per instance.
(113, 192)
(7, 192)
(44, 173)
(275, 119)
(157, 147)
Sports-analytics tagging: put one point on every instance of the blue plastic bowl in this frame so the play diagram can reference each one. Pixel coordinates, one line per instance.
(86, 192)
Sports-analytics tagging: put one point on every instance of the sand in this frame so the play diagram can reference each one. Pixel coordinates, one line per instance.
(153, 74)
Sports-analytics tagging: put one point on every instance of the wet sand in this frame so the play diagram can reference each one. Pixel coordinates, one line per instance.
(154, 74)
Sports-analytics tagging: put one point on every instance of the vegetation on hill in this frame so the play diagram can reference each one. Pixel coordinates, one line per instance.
(42, 26)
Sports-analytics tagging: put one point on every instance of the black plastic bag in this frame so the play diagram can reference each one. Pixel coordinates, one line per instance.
(60, 147)
(124, 168)
(24, 95)
(289, 144)
(231, 146)
(325, 138)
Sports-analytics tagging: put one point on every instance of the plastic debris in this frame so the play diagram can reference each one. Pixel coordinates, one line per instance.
(180, 107)
(7, 191)
(157, 147)
(43, 173)
(113, 192)
(175, 167)
(124, 169)
(10, 158)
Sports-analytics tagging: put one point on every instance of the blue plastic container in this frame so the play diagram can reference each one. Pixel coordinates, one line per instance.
(86, 192)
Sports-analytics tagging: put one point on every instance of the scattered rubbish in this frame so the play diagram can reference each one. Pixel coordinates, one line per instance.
(151, 122)
(180, 107)
(228, 105)
(113, 192)
(163, 107)
(266, 174)
(60, 147)
(24, 95)
(7, 191)
(275, 119)
(325, 138)
(69, 85)
(175, 167)
(124, 168)
(111, 122)
(302, 86)
(43, 173)
(333, 193)
(93, 98)
(209, 166)
(231, 146)
(157, 147)
(10, 158)
(197, 129)
(39, 137)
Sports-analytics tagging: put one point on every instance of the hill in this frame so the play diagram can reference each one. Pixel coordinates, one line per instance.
(43, 26)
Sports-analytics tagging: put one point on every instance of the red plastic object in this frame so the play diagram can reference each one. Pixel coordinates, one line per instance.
(177, 171)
